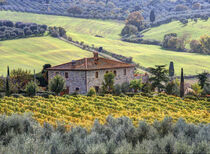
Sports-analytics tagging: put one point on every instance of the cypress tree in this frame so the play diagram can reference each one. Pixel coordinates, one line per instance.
(171, 69)
(152, 16)
(7, 82)
(182, 84)
(34, 76)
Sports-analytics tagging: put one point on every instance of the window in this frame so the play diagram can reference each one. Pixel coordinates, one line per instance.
(66, 75)
(115, 73)
(97, 89)
(124, 71)
(77, 89)
(107, 72)
(56, 73)
(96, 74)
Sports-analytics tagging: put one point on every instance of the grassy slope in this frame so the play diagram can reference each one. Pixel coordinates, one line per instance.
(86, 29)
(194, 29)
(32, 53)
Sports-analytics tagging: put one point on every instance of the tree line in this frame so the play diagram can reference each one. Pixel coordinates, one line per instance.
(159, 80)
(10, 30)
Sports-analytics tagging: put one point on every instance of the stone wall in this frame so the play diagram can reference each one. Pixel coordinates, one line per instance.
(120, 78)
(76, 79)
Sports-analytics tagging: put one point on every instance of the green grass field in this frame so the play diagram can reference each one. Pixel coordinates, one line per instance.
(33, 53)
(86, 29)
(194, 30)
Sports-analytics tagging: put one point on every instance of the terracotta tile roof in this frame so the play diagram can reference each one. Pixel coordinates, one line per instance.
(91, 64)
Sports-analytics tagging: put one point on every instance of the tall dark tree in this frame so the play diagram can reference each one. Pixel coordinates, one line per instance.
(7, 82)
(171, 69)
(202, 77)
(182, 84)
(159, 77)
(152, 16)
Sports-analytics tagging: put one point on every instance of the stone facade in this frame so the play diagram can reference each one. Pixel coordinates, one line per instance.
(75, 79)
(82, 81)
(122, 75)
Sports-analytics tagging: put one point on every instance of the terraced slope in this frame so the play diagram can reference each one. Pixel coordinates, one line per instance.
(86, 29)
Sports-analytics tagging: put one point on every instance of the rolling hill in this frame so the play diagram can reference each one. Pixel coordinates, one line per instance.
(86, 29)
(33, 53)
(195, 30)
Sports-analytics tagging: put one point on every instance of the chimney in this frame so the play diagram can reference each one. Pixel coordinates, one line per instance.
(95, 57)
(73, 62)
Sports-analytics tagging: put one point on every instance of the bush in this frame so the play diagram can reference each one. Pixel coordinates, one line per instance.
(171, 41)
(23, 135)
(10, 30)
(31, 88)
(206, 88)
(205, 43)
(172, 88)
(129, 30)
(136, 85)
(91, 92)
(108, 84)
(147, 87)
(117, 90)
(125, 87)
(57, 84)
(195, 46)
(181, 8)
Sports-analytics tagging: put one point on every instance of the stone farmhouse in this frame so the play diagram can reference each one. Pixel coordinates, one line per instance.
(81, 75)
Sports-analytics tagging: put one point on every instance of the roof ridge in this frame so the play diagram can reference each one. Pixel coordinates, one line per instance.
(88, 64)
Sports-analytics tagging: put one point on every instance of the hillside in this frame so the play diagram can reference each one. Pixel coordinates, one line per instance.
(111, 9)
(195, 30)
(86, 29)
(32, 53)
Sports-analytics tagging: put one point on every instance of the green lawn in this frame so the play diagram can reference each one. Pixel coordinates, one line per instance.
(195, 30)
(33, 53)
(86, 29)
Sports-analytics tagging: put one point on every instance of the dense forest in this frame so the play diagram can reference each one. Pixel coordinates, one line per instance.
(111, 9)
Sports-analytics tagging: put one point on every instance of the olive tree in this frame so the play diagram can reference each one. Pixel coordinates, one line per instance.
(57, 84)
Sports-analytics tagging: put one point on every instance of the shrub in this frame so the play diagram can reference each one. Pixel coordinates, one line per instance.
(31, 88)
(136, 19)
(196, 6)
(57, 84)
(197, 89)
(205, 43)
(206, 88)
(181, 8)
(23, 135)
(91, 92)
(172, 88)
(125, 87)
(136, 85)
(108, 84)
(117, 90)
(74, 10)
(129, 30)
(171, 41)
(147, 87)
(195, 46)
(184, 21)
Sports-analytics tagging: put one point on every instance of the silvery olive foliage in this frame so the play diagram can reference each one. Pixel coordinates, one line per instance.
(21, 134)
